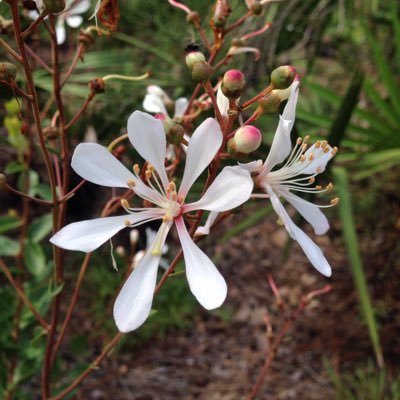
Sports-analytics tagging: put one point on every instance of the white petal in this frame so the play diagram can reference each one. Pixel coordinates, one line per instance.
(96, 164)
(320, 159)
(147, 135)
(252, 166)
(231, 188)
(289, 112)
(309, 211)
(203, 145)
(311, 250)
(158, 91)
(81, 7)
(205, 229)
(181, 106)
(222, 102)
(133, 304)
(74, 21)
(154, 104)
(90, 234)
(281, 145)
(205, 281)
(61, 34)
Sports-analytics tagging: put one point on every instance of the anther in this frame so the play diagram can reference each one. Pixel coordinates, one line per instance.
(304, 147)
(136, 169)
(311, 180)
(148, 174)
(124, 203)
(306, 139)
(334, 150)
(131, 184)
(311, 157)
(127, 222)
(317, 144)
(302, 157)
(326, 149)
(318, 187)
(329, 187)
(335, 201)
(318, 170)
(299, 141)
(323, 144)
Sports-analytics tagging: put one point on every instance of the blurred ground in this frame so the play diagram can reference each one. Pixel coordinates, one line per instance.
(216, 360)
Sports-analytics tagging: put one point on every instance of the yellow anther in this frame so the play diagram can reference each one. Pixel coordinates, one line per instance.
(304, 147)
(306, 139)
(311, 157)
(317, 144)
(299, 141)
(311, 180)
(323, 144)
(318, 187)
(124, 203)
(150, 168)
(329, 187)
(318, 170)
(326, 149)
(335, 201)
(127, 222)
(131, 184)
(171, 187)
(136, 169)
(148, 174)
(334, 150)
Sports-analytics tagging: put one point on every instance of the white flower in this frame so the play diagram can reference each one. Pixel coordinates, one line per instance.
(157, 101)
(232, 187)
(70, 16)
(296, 175)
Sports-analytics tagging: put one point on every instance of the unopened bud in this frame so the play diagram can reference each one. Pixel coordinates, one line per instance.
(96, 86)
(246, 139)
(233, 84)
(202, 71)
(193, 56)
(85, 37)
(175, 134)
(270, 103)
(54, 6)
(8, 71)
(282, 77)
(193, 17)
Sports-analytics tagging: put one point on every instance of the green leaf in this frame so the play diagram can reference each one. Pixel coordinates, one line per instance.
(35, 259)
(40, 228)
(8, 222)
(8, 247)
(14, 167)
(351, 241)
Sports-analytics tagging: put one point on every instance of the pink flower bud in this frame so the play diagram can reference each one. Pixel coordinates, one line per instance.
(282, 77)
(233, 83)
(246, 139)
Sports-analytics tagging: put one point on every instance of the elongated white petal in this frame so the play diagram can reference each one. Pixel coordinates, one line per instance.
(252, 166)
(158, 91)
(147, 135)
(311, 250)
(205, 229)
(96, 164)
(61, 34)
(133, 304)
(289, 112)
(181, 106)
(231, 188)
(90, 234)
(310, 212)
(222, 102)
(74, 21)
(203, 145)
(281, 146)
(205, 281)
(154, 104)
(320, 159)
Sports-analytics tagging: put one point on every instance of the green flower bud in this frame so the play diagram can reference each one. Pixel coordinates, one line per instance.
(193, 55)
(8, 71)
(270, 103)
(202, 71)
(175, 134)
(54, 6)
(282, 77)
(233, 84)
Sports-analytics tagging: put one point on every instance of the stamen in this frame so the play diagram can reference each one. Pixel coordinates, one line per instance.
(323, 144)
(302, 157)
(136, 169)
(311, 180)
(334, 150)
(329, 187)
(299, 141)
(326, 149)
(317, 144)
(311, 157)
(335, 201)
(306, 139)
(124, 204)
(318, 187)
(127, 222)
(131, 184)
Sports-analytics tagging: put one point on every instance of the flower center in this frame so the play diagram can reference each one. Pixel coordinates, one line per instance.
(171, 205)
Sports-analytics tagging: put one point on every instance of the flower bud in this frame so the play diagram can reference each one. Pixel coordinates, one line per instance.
(270, 103)
(233, 84)
(193, 56)
(282, 77)
(175, 134)
(96, 86)
(246, 139)
(51, 132)
(54, 6)
(8, 71)
(202, 71)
